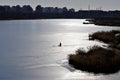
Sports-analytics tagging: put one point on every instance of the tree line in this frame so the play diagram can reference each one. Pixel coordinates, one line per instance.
(27, 12)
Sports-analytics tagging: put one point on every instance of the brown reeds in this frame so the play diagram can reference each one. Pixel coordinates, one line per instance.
(98, 59)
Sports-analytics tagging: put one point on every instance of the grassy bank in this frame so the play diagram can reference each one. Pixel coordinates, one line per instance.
(110, 37)
(105, 21)
(98, 59)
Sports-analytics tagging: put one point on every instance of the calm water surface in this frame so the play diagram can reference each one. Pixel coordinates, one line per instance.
(29, 51)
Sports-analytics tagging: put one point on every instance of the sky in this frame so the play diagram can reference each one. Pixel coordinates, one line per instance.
(76, 4)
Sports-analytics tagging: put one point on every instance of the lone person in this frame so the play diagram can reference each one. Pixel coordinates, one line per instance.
(60, 44)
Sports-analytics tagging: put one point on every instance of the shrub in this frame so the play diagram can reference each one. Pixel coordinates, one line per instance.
(96, 59)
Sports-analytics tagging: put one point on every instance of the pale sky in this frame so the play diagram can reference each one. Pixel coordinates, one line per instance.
(76, 4)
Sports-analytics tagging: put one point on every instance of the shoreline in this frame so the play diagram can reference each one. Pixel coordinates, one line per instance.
(98, 59)
(37, 19)
(104, 21)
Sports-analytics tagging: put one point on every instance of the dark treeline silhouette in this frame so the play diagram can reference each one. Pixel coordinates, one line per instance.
(27, 12)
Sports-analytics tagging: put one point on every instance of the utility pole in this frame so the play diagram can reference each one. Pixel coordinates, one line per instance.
(100, 8)
(89, 7)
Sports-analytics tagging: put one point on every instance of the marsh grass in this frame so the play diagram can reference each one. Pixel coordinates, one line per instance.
(98, 59)
(106, 36)
(110, 37)
(106, 21)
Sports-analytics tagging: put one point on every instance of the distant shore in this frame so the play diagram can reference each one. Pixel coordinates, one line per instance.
(33, 18)
(18, 12)
(104, 21)
(98, 59)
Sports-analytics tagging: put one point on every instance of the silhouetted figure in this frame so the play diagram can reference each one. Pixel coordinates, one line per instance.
(60, 44)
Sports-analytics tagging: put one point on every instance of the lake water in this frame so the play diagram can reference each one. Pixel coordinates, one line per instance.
(29, 49)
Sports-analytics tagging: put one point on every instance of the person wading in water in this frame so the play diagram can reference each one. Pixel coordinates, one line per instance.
(60, 44)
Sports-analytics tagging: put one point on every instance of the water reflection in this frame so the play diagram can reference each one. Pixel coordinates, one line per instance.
(29, 51)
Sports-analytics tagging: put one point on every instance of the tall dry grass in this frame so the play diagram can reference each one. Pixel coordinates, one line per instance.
(98, 59)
